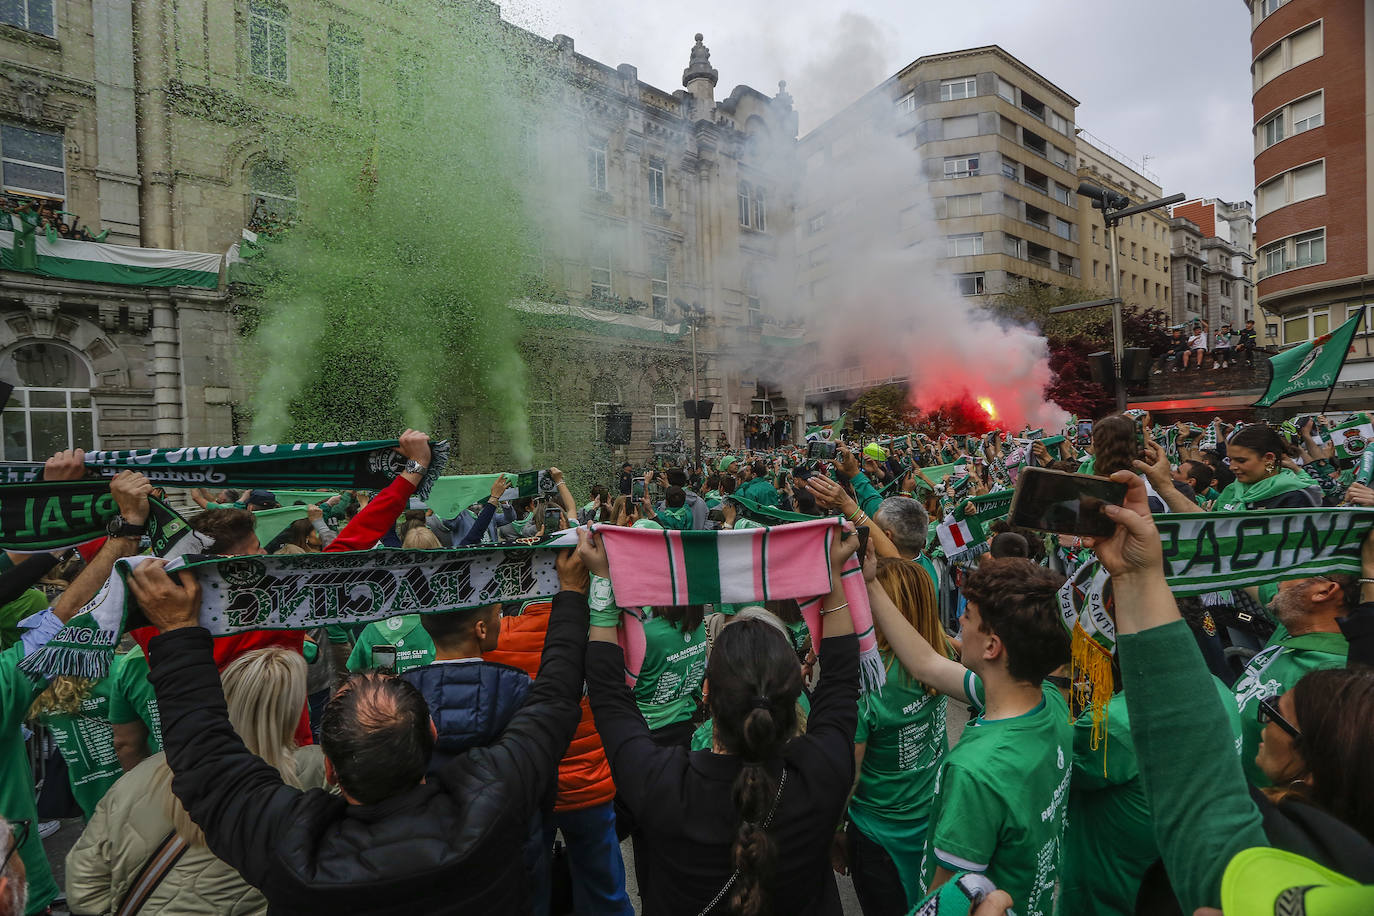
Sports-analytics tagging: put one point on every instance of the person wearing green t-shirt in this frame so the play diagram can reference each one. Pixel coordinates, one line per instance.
(76, 712)
(899, 745)
(1308, 638)
(133, 712)
(1001, 796)
(667, 688)
(1109, 843)
(404, 633)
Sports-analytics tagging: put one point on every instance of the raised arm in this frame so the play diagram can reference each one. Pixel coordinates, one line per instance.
(1156, 469)
(478, 530)
(379, 514)
(917, 656)
(1201, 805)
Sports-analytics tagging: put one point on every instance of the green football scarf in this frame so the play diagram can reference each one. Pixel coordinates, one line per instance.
(46, 515)
(1238, 495)
(362, 465)
(299, 591)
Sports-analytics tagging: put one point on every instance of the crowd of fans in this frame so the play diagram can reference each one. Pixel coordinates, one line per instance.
(48, 217)
(1192, 347)
(494, 759)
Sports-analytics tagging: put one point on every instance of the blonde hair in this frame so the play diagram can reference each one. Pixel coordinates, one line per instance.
(913, 592)
(265, 692)
(421, 538)
(63, 696)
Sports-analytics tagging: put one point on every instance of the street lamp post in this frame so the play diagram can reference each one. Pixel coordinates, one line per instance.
(695, 316)
(1116, 207)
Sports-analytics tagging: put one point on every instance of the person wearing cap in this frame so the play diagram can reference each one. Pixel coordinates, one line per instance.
(726, 463)
(258, 500)
(626, 480)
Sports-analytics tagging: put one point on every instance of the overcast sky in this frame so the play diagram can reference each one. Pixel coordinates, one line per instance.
(1166, 81)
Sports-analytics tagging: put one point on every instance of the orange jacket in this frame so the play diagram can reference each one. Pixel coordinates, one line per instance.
(584, 776)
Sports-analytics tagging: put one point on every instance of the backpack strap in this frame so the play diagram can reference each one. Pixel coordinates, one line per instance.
(163, 859)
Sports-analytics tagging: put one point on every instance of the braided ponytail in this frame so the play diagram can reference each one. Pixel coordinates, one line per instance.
(755, 681)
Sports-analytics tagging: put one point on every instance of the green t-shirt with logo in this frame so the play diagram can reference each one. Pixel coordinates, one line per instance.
(414, 648)
(132, 698)
(669, 686)
(1272, 672)
(17, 691)
(1000, 801)
(903, 730)
(86, 740)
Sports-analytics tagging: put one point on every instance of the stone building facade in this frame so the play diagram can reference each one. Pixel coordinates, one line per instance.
(1212, 259)
(675, 201)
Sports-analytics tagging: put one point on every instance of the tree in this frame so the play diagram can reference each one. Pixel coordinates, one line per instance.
(1074, 335)
(886, 408)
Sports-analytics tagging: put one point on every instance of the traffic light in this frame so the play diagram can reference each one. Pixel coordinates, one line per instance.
(1103, 198)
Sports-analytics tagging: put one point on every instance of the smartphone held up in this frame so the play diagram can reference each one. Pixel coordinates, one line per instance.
(1064, 503)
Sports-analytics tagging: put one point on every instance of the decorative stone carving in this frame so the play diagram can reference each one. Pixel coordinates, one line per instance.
(30, 96)
(700, 65)
(42, 313)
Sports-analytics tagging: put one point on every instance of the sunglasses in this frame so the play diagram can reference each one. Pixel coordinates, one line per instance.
(1269, 712)
(21, 829)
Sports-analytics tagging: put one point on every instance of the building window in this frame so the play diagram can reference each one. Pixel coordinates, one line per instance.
(657, 190)
(268, 42)
(1014, 247)
(1094, 235)
(1006, 91)
(345, 55)
(1307, 113)
(964, 205)
(961, 167)
(1094, 270)
(30, 15)
(960, 127)
(964, 87)
(1063, 229)
(1294, 50)
(1133, 252)
(1033, 106)
(969, 284)
(1011, 169)
(1303, 115)
(1226, 288)
(1267, 7)
(272, 188)
(600, 272)
(665, 422)
(658, 286)
(815, 224)
(1059, 122)
(50, 408)
(596, 165)
(600, 411)
(543, 425)
(1292, 253)
(753, 212)
(907, 103)
(31, 162)
(1156, 260)
(1302, 183)
(962, 246)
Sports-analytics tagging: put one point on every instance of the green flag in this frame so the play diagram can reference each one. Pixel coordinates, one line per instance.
(1311, 366)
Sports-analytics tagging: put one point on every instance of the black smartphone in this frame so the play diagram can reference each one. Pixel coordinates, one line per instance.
(821, 449)
(384, 659)
(718, 515)
(553, 519)
(1064, 503)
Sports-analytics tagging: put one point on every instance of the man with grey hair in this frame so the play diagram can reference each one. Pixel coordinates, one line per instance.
(906, 524)
(14, 889)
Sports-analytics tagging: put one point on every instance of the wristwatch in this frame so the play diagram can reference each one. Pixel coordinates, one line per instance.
(119, 528)
(415, 467)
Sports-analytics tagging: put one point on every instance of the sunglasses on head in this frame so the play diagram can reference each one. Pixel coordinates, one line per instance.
(1268, 711)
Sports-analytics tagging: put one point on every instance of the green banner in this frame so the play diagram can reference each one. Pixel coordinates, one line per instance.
(1311, 366)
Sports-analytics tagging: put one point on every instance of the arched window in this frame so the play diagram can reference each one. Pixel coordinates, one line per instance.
(272, 187)
(51, 407)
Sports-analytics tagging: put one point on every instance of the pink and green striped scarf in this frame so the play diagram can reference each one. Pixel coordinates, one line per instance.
(744, 566)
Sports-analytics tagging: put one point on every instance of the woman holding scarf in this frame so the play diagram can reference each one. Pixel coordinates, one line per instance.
(1262, 482)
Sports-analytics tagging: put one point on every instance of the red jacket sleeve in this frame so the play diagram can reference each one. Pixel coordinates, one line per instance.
(381, 512)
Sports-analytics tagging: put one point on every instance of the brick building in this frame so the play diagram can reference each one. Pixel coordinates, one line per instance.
(1314, 192)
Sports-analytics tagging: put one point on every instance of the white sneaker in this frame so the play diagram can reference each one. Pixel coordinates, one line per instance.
(1214, 365)
(48, 828)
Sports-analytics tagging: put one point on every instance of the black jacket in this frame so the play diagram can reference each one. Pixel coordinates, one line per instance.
(450, 845)
(682, 800)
